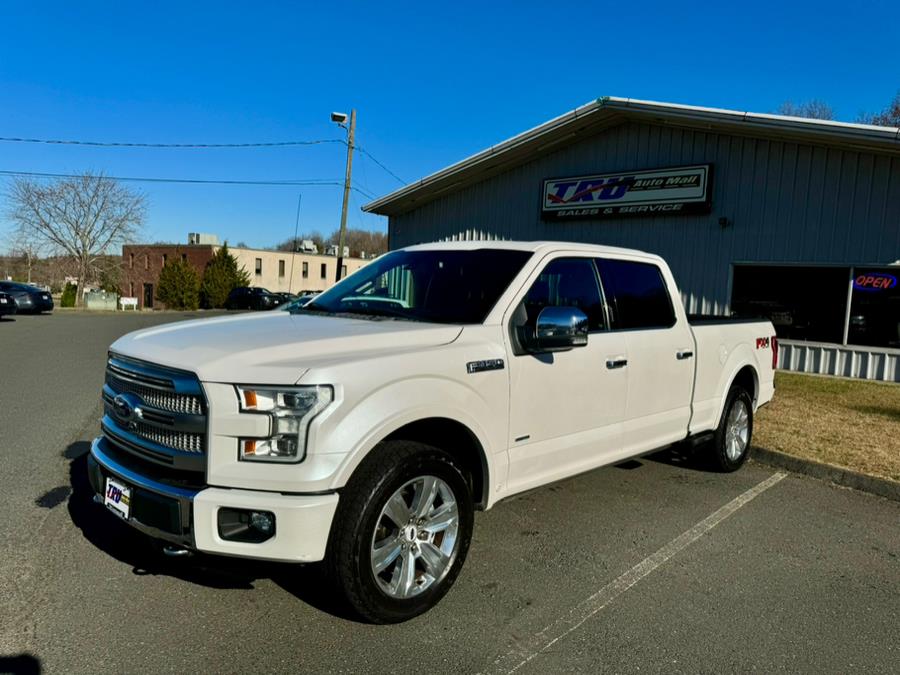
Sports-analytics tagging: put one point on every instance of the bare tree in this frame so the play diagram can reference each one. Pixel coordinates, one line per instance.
(813, 109)
(889, 117)
(83, 217)
(27, 246)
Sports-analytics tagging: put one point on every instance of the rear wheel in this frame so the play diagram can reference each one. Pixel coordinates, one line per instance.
(731, 442)
(401, 532)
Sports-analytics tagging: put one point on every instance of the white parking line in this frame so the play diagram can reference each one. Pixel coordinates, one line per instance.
(556, 631)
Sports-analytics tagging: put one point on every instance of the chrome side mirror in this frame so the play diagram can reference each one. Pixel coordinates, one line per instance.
(559, 329)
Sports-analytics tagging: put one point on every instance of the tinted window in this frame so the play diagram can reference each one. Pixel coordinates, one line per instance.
(637, 294)
(437, 286)
(566, 282)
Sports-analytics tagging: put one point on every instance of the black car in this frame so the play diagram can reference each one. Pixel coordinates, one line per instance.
(28, 299)
(251, 297)
(284, 297)
(7, 304)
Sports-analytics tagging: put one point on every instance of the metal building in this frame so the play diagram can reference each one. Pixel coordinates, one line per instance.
(792, 218)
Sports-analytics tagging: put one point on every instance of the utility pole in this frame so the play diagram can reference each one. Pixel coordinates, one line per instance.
(350, 133)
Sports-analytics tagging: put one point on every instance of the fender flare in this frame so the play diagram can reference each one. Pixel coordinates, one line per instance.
(494, 465)
(740, 358)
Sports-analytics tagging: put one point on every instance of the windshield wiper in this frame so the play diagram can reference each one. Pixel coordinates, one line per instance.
(382, 311)
(312, 307)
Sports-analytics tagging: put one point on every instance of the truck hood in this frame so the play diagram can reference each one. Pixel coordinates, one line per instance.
(275, 347)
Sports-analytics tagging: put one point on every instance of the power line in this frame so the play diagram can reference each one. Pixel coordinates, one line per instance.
(113, 144)
(194, 181)
(370, 156)
(196, 146)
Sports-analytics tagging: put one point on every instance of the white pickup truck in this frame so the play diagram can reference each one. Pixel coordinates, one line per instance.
(365, 428)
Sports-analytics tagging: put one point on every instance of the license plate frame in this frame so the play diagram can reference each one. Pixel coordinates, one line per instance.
(117, 497)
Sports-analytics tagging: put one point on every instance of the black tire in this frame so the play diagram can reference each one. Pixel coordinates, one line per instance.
(387, 469)
(718, 452)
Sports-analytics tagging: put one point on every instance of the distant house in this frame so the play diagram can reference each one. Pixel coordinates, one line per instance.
(279, 271)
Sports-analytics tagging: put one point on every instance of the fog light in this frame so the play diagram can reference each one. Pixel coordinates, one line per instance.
(262, 521)
(252, 527)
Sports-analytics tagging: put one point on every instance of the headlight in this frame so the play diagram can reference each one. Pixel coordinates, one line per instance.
(291, 409)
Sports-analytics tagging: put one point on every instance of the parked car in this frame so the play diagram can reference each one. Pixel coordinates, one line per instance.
(7, 304)
(298, 301)
(252, 297)
(284, 298)
(366, 427)
(28, 299)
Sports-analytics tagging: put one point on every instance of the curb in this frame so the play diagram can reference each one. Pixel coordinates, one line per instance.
(882, 487)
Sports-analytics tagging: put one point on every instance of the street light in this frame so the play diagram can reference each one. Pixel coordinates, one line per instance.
(340, 119)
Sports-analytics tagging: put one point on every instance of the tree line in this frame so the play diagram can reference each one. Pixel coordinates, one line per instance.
(820, 110)
(358, 241)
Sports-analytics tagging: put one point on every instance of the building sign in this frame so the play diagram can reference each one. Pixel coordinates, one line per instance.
(874, 281)
(674, 191)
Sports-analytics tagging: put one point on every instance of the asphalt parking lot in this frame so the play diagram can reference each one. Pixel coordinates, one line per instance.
(650, 566)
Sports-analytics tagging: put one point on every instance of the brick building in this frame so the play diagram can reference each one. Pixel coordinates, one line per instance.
(280, 271)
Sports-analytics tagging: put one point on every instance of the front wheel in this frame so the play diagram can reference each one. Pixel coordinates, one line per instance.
(731, 443)
(401, 532)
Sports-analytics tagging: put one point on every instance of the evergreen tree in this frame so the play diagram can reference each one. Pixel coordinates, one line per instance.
(69, 295)
(221, 275)
(179, 285)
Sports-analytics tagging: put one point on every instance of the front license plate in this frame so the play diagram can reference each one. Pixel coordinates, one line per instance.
(118, 498)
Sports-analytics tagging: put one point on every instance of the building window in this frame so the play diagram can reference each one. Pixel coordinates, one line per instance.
(131, 289)
(184, 257)
(258, 266)
(281, 268)
(131, 260)
(324, 271)
(875, 308)
(803, 303)
(306, 270)
(146, 261)
(165, 259)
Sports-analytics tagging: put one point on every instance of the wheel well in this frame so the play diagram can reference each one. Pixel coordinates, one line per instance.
(746, 379)
(455, 438)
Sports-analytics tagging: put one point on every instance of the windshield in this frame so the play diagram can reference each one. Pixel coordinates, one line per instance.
(437, 286)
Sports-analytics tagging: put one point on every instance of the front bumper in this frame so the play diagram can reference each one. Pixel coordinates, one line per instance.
(189, 517)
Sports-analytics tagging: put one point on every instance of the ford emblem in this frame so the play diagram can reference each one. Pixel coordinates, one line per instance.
(124, 409)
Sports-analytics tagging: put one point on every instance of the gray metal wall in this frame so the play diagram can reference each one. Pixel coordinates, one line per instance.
(786, 202)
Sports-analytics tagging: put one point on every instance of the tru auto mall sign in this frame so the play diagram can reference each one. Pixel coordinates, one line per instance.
(673, 191)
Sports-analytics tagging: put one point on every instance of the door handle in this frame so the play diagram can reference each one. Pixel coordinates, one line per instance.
(683, 355)
(612, 364)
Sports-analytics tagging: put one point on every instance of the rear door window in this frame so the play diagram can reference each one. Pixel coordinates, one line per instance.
(637, 295)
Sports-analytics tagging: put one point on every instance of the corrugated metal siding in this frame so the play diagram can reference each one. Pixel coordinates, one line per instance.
(868, 363)
(785, 202)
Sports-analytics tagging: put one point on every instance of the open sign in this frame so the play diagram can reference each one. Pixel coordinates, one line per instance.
(874, 281)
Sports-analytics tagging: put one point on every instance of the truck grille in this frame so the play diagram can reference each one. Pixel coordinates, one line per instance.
(162, 400)
(155, 413)
(179, 440)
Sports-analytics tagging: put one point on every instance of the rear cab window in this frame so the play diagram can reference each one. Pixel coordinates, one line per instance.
(637, 295)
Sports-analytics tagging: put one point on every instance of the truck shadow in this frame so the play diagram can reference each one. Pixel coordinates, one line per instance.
(682, 455)
(144, 555)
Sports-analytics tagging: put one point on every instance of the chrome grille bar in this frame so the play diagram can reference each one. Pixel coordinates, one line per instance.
(154, 411)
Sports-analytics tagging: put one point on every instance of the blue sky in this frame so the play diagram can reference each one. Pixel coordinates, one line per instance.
(432, 83)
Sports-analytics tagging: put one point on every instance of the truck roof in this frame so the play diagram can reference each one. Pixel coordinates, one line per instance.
(535, 246)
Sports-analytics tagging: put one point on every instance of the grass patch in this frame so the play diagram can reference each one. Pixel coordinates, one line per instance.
(852, 424)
